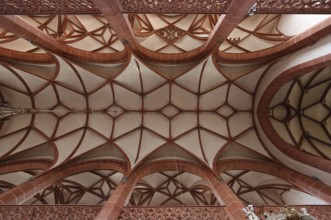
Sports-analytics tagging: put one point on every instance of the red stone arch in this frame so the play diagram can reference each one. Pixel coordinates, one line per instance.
(21, 193)
(24, 165)
(23, 29)
(222, 192)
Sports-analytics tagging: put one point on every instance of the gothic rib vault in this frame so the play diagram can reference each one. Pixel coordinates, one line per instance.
(137, 89)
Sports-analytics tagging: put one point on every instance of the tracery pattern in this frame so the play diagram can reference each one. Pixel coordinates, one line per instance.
(49, 212)
(262, 33)
(86, 32)
(172, 188)
(172, 213)
(90, 212)
(95, 190)
(168, 33)
(175, 6)
(303, 121)
(262, 189)
(161, 6)
(293, 6)
(48, 7)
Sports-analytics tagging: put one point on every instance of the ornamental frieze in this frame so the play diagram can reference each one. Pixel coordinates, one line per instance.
(31, 7)
(175, 6)
(172, 213)
(293, 6)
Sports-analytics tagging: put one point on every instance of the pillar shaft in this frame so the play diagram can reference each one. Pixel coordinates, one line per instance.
(231, 201)
(112, 209)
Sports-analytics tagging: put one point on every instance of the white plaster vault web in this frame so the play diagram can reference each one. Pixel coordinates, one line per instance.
(138, 111)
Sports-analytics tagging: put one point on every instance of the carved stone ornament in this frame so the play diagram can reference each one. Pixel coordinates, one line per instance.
(284, 213)
(48, 7)
(293, 6)
(175, 6)
(30, 7)
(49, 212)
(171, 33)
(172, 213)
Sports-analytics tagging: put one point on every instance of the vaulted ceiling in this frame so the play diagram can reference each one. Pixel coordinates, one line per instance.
(137, 88)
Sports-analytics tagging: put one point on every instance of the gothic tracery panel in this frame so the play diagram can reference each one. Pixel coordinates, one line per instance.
(175, 6)
(49, 212)
(160, 6)
(171, 33)
(262, 33)
(293, 6)
(86, 32)
(172, 213)
(172, 188)
(262, 189)
(88, 188)
(48, 7)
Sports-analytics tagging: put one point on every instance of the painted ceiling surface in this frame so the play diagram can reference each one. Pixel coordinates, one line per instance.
(136, 111)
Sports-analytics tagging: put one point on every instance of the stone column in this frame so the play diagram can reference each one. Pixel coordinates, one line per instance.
(231, 201)
(113, 207)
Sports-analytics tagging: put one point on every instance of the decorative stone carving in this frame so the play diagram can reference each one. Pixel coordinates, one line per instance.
(48, 7)
(293, 6)
(49, 212)
(234, 40)
(170, 33)
(169, 213)
(249, 213)
(175, 6)
(142, 213)
(160, 6)
(290, 212)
